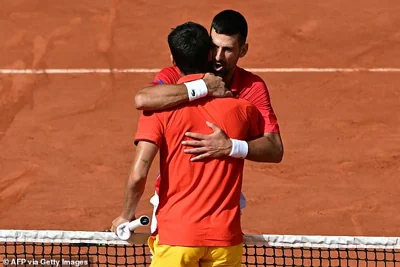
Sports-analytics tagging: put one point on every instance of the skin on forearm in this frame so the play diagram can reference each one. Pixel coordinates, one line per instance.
(268, 148)
(161, 96)
(134, 192)
(145, 153)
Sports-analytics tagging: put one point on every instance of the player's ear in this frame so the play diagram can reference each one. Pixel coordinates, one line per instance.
(243, 49)
(172, 60)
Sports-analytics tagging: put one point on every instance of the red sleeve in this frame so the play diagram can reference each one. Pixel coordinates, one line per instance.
(260, 99)
(168, 75)
(257, 123)
(150, 128)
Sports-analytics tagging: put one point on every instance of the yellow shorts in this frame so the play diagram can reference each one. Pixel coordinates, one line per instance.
(176, 256)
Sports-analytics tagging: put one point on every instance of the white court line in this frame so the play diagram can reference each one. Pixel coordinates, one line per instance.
(145, 70)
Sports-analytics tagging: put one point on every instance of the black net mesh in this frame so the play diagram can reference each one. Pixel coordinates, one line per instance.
(106, 253)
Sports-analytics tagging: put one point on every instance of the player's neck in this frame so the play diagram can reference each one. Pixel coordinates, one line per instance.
(228, 78)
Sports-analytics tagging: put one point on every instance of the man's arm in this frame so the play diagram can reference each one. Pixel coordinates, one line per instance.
(268, 148)
(161, 96)
(164, 96)
(145, 153)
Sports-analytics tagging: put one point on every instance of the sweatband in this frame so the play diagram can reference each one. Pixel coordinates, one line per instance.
(196, 89)
(239, 149)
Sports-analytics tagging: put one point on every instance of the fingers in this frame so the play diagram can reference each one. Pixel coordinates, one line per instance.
(196, 136)
(200, 157)
(208, 75)
(228, 94)
(213, 126)
(116, 222)
(192, 143)
(215, 85)
(197, 150)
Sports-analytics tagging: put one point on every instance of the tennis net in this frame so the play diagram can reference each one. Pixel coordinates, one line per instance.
(77, 248)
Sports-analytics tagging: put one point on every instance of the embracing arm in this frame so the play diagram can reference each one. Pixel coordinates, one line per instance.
(161, 96)
(164, 96)
(268, 148)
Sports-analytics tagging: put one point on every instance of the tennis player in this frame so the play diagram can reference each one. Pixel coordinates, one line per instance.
(198, 214)
(154, 200)
(229, 33)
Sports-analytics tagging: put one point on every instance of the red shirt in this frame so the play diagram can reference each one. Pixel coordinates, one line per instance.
(169, 75)
(199, 201)
(245, 85)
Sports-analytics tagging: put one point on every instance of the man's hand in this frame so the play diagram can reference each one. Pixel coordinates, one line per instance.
(216, 86)
(214, 145)
(117, 221)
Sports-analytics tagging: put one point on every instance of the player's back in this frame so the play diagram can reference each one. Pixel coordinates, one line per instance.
(201, 199)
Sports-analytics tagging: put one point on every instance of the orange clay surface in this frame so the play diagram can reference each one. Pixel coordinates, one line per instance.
(66, 139)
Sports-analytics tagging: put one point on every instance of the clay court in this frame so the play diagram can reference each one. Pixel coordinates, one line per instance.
(66, 139)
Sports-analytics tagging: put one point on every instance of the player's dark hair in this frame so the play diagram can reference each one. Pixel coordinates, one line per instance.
(190, 46)
(230, 22)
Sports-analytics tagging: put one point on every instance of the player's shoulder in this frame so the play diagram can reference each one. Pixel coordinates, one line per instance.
(248, 75)
(245, 105)
(168, 75)
(170, 69)
(232, 104)
(249, 79)
(242, 109)
(158, 113)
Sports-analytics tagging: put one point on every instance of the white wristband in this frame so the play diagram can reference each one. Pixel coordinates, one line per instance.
(196, 89)
(239, 149)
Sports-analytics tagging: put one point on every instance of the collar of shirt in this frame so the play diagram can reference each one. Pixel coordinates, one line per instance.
(191, 77)
(235, 82)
